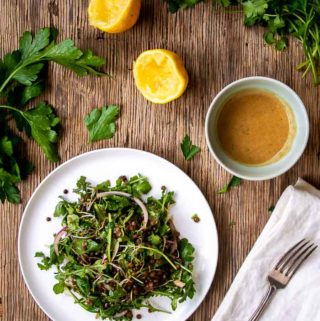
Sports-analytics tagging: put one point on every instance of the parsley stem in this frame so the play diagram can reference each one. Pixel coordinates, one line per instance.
(11, 108)
(5, 83)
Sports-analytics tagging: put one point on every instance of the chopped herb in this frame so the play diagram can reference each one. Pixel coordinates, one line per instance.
(196, 218)
(235, 181)
(175, 5)
(232, 223)
(22, 78)
(189, 150)
(270, 209)
(101, 122)
(115, 250)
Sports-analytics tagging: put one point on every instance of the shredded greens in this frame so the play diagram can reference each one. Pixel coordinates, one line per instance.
(112, 256)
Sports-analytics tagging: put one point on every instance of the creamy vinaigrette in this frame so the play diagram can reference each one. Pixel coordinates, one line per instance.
(255, 127)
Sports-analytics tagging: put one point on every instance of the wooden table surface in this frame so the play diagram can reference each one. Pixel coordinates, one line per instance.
(217, 49)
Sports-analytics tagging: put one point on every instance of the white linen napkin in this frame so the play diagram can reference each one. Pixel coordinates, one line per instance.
(296, 216)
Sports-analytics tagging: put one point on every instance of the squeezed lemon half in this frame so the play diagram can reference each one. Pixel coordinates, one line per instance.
(114, 16)
(160, 75)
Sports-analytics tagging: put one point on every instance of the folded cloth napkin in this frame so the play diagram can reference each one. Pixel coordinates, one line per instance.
(296, 216)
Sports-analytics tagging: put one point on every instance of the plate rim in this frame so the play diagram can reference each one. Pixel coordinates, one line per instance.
(24, 214)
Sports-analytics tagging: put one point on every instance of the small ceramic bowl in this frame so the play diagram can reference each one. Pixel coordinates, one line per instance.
(269, 170)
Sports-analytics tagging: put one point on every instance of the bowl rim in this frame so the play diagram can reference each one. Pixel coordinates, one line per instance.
(300, 149)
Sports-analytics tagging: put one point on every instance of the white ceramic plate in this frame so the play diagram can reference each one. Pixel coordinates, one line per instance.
(36, 233)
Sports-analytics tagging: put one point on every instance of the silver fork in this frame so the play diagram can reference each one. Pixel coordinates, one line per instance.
(282, 273)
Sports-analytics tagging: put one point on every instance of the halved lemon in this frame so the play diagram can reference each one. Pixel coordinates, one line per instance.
(160, 75)
(114, 16)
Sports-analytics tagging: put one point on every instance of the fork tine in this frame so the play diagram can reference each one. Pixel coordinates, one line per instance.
(288, 254)
(303, 247)
(295, 257)
(300, 259)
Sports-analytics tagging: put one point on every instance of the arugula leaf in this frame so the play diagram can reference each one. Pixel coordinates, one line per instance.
(189, 150)
(45, 262)
(58, 288)
(187, 250)
(235, 181)
(61, 209)
(101, 122)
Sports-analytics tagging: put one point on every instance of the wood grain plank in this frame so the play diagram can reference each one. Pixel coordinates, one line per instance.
(217, 49)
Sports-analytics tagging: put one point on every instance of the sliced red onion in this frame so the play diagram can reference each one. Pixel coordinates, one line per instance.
(103, 194)
(179, 283)
(135, 199)
(115, 250)
(117, 267)
(175, 234)
(120, 314)
(57, 240)
(88, 207)
(86, 215)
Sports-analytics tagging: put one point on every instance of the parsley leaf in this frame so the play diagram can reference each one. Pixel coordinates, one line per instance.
(11, 171)
(43, 123)
(253, 10)
(189, 150)
(235, 181)
(101, 122)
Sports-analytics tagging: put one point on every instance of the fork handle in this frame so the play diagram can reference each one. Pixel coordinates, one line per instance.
(264, 302)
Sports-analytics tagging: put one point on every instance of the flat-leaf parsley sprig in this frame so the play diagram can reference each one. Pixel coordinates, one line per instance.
(282, 18)
(22, 78)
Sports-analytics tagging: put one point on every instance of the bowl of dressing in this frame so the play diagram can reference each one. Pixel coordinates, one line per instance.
(257, 128)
